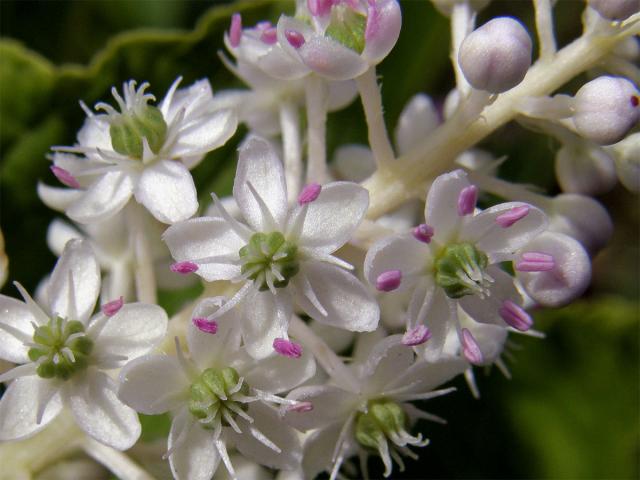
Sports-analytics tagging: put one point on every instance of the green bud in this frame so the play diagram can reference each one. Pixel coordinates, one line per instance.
(347, 27)
(459, 270)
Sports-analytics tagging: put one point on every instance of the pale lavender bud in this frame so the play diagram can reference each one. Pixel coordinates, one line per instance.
(496, 56)
(583, 167)
(606, 109)
(615, 9)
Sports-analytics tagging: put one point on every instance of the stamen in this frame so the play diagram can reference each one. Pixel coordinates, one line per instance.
(184, 268)
(269, 35)
(507, 219)
(535, 262)
(309, 193)
(423, 233)
(287, 348)
(515, 316)
(467, 200)
(470, 348)
(112, 307)
(65, 177)
(295, 38)
(206, 325)
(235, 31)
(416, 336)
(389, 280)
(318, 8)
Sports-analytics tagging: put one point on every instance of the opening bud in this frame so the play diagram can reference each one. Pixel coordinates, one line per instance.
(615, 9)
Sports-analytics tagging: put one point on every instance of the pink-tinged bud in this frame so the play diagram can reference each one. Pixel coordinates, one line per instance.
(235, 31)
(615, 9)
(301, 407)
(373, 20)
(65, 177)
(389, 280)
(184, 268)
(112, 307)
(496, 56)
(269, 35)
(205, 325)
(423, 233)
(515, 316)
(287, 348)
(319, 8)
(470, 348)
(467, 200)
(309, 193)
(535, 262)
(416, 336)
(295, 38)
(606, 109)
(507, 219)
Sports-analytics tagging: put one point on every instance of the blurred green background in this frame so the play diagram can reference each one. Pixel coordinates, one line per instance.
(572, 409)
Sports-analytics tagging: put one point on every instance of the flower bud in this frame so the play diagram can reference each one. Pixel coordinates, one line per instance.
(606, 109)
(627, 158)
(615, 9)
(418, 119)
(496, 56)
(585, 168)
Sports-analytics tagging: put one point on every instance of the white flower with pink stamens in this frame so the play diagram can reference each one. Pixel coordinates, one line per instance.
(64, 352)
(452, 260)
(219, 397)
(142, 150)
(283, 255)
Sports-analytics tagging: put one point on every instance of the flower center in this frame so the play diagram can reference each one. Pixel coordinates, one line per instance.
(347, 27)
(60, 348)
(216, 398)
(460, 270)
(382, 420)
(269, 260)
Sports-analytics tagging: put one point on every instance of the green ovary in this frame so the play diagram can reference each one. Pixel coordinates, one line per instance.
(128, 129)
(382, 420)
(347, 27)
(61, 348)
(269, 258)
(460, 270)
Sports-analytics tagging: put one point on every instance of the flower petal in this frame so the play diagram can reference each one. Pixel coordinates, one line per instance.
(58, 199)
(277, 374)
(59, 233)
(348, 303)
(205, 134)
(418, 119)
(334, 216)
(383, 30)
(75, 282)
(265, 318)
(104, 198)
(331, 59)
(20, 404)
(427, 376)
(98, 411)
(166, 189)
(439, 320)
(441, 208)
(16, 315)
(153, 384)
(386, 360)
(259, 165)
(196, 457)
(330, 404)
(319, 447)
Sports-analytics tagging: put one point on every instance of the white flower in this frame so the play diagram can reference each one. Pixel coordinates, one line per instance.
(64, 354)
(218, 397)
(284, 255)
(142, 150)
(375, 414)
(452, 259)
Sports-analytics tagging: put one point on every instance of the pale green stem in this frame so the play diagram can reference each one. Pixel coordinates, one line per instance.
(462, 23)
(116, 461)
(371, 98)
(510, 191)
(316, 98)
(144, 275)
(544, 27)
(292, 149)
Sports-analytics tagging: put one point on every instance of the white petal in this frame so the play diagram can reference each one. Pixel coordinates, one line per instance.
(331, 59)
(58, 234)
(75, 282)
(277, 373)
(95, 133)
(441, 208)
(491, 238)
(388, 358)
(166, 189)
(426, 376)
(191, 99)
(98, 411)
(196, 458)
(265, 318)
(487, 310)
(418, 119)
(269, 423)
(204, 237)
(58, 199)
(105, 197)
(279, 64)
(340, 95)
(259, 165)
(353, 162)
(330, 404)
(403, 253)
(16, 315)
(319, 447)
(440, 318)
(348, 303)
(153, 384)
(133, 331)
(207, 133)
(20, 404)
(389, 23)
(334, 216)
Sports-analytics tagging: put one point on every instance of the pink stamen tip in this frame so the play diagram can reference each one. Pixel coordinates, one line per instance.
(373, 21)
(318, 8)
(515, 316)
(206, 325)
(309, 193)
(467, 200)
(535, 262)
(269, 35)
(416, 336)
(470, 348)
(301, 407)
(235, 31)
(184, 268)
(505, 220)
(65, 177)
(295, 38)
(388, 281)
(287, 348)
(423, 233)
(112, 307)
